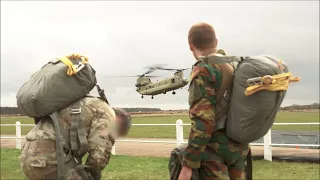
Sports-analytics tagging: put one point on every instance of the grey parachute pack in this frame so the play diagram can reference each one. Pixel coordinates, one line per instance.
(259, 86)
(59, 83)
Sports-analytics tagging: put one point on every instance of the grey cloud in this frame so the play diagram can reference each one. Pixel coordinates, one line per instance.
(121, 38)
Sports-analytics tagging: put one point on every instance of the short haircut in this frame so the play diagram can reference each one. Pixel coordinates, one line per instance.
(202, 36)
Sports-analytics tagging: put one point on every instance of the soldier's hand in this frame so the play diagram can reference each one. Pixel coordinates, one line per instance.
(185, 173)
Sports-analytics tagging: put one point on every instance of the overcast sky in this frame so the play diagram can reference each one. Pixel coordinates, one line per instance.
(139, 34)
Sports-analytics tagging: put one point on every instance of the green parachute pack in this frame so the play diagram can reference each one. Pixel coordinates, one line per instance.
(259, 87)
(59, 83)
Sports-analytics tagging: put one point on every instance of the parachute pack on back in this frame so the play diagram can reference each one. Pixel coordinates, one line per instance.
(259, 87)
(56, 85)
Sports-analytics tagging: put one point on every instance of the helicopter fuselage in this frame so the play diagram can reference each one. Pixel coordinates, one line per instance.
(146, 87)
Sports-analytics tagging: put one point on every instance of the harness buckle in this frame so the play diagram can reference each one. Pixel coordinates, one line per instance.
(76, 160)
(76, 111)
(79, 66)
(254, 81)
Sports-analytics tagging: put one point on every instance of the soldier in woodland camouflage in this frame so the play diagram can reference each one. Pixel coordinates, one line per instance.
(209, 149)
(102, 125)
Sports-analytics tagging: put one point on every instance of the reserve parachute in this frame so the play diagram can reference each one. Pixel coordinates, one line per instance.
(259, 86)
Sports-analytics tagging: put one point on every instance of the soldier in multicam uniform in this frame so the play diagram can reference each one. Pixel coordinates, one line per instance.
(101, 125)
(209, 149)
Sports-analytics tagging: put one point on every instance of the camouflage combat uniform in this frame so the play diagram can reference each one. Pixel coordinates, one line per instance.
(38, 158)
(209, 149)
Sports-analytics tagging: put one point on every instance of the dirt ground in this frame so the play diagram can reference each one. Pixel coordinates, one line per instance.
(164, 149)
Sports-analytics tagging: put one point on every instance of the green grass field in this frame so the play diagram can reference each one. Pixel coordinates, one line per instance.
(169, 131)
(129, 167)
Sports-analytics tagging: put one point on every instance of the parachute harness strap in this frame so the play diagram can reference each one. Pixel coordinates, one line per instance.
(276, 82)
(73, 69)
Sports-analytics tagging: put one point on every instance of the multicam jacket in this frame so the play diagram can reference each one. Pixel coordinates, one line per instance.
(98, 121)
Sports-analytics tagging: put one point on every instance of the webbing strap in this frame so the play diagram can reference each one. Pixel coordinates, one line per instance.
(72, 69)
(101, 94)
(276, 82)
(59, 149)
(82, 139)
(77, 132)
(86, 172)
(214, 59)
(75, 117)
(249, 166)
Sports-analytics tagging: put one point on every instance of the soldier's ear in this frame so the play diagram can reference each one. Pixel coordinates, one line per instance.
(191, 47)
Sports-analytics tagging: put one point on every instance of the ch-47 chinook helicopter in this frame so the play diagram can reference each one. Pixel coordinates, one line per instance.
(145, 86)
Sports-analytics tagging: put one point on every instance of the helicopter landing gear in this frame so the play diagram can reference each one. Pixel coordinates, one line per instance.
(164, 92)
(142, 97)
(173, 92)
(151, 97)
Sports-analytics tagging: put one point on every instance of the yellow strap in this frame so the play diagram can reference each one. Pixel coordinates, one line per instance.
(71, 68)
(272, 83)
(84, 59)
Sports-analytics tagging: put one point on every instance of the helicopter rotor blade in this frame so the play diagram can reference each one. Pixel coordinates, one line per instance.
(152, 76)
(153, 68)
(169, 69)
(185, 69)
(148, 72)
(122, 76)
(132, 76)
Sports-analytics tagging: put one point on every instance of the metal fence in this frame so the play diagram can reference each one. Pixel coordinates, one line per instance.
(267, 143)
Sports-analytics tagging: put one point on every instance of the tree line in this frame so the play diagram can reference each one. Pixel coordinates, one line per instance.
(16, 110)
(301, 107)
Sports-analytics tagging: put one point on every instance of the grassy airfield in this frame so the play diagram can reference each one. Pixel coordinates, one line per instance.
(169, 131)
(130, 167)
(138, 167)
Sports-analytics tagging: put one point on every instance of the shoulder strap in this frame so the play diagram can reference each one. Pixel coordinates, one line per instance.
(101, 94)
(215, 59)
(249, 166)
(60, 155)
(77, 132)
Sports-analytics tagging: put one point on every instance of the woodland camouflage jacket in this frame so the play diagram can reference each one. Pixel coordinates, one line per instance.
(204, 81)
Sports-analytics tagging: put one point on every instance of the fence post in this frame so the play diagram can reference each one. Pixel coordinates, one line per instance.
(179, 132)
(18, 135)
(113, 150)
(267, 146)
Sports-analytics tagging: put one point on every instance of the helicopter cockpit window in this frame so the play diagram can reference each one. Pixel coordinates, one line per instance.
(172, 80)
